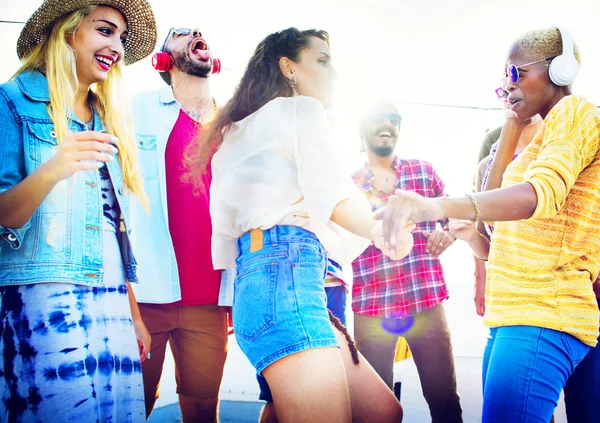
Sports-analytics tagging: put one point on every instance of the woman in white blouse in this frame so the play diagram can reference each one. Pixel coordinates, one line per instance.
(279, 201)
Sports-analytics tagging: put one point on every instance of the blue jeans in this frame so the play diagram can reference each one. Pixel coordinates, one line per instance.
(336, 303)
(524, 370)
(582, 392)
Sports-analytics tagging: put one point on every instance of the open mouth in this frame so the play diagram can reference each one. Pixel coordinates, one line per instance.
(105, 62)
(384, 133)
(199, 44)
(199, 48)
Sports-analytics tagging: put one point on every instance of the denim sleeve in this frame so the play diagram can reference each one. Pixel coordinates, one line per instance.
(12, 164)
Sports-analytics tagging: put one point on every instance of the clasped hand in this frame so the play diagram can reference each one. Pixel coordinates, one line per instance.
(403, 210)
(405, 242)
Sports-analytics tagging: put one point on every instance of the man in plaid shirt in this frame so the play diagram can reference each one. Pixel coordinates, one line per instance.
(392, 298)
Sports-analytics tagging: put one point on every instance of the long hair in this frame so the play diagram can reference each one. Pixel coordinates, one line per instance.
(56, 59)
(262, 82)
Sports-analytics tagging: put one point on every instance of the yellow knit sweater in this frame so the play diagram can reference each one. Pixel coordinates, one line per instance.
(540, 270)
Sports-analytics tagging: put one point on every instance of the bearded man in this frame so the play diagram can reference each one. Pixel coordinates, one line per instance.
(404, 298)
(178, 298)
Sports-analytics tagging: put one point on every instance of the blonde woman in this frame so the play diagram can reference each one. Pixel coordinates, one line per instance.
(68, 318)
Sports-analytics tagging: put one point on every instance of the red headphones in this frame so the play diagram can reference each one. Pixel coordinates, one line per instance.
(162, 62)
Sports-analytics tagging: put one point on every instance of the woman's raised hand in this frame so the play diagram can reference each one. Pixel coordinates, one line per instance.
(512, 119)
(85, 150)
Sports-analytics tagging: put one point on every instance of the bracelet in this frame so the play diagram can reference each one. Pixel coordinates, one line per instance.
(479, 258)
(477, 210)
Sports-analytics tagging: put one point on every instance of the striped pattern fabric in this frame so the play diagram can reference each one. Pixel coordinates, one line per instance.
(398, 289)
(334, 275)
(540, 270)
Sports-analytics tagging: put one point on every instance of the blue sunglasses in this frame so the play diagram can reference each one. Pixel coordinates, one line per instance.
(512, 71)
(378, 118)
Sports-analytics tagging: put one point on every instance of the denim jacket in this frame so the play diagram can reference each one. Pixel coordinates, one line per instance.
(155, 114)
(62, 242)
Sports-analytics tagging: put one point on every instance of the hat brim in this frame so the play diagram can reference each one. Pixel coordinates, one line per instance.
(141, 25)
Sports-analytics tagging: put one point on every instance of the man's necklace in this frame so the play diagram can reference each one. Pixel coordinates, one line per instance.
(201, 115)
(387, 182)
(196, 115)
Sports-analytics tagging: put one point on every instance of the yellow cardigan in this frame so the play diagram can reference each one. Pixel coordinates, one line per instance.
(540, 270)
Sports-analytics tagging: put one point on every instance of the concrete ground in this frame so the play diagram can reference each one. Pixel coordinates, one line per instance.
(415, 409)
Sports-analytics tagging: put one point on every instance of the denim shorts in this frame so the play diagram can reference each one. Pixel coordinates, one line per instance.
(279, 302)
(336, 303)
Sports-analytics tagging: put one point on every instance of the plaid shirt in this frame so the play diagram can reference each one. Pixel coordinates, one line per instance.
(396, 289)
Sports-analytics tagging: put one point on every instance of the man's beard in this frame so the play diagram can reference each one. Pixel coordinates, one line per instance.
(380, 150)
(186, 64)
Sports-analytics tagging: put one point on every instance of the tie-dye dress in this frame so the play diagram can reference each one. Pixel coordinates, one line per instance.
(69, 352)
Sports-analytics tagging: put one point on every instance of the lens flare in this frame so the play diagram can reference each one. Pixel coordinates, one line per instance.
(398, 326)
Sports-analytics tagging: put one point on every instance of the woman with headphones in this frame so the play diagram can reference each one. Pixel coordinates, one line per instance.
(545, 253)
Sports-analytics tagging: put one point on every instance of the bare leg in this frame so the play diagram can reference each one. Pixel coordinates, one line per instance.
(372, 400)
(310, 387)
(324, 384)
(267, 415)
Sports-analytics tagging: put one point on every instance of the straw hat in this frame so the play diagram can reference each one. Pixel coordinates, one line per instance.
(141, 25)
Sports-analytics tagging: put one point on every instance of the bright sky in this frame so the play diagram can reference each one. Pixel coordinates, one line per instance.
(444, 52)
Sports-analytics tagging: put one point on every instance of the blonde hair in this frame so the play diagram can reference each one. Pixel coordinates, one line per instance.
(544, 43)
(56, 59)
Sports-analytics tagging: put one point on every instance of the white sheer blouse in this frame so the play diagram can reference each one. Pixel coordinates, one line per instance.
(278, 166)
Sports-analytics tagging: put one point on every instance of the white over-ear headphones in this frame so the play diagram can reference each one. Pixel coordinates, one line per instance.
(564, 68)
